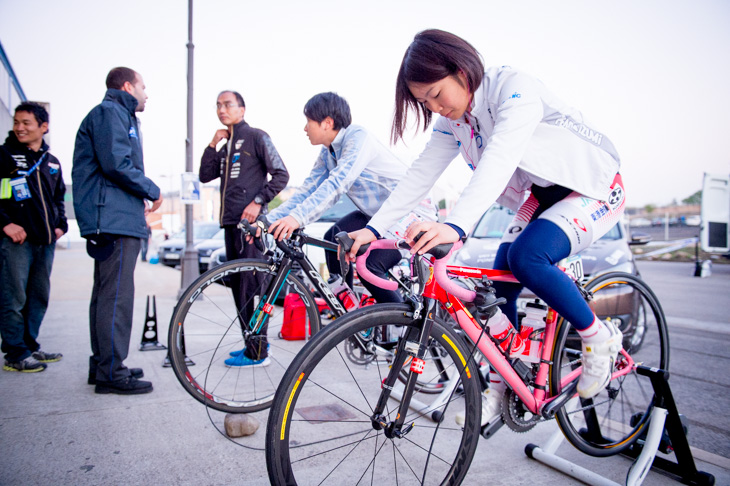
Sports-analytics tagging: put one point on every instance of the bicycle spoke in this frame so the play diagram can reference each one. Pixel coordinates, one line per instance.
(395, 469)
(327, 451)
(406, 461)
(340, 398)
(349, 370)
(372, 462)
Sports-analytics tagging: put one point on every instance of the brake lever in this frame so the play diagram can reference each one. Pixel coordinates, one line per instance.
(344, 246)
(251, 231)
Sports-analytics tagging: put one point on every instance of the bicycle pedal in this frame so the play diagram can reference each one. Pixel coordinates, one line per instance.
(490, 429)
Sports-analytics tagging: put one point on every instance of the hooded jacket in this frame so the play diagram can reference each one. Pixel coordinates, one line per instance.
(109, 184)
(44, 210)
(243, 165)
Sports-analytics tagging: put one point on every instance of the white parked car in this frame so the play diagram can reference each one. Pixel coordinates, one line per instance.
(694, 220)
(639, 222)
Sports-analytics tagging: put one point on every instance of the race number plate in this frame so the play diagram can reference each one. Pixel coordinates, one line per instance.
(573, 266)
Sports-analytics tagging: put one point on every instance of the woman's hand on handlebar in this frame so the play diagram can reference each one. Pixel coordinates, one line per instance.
(283, 227)
(433, 234)
(360, 237)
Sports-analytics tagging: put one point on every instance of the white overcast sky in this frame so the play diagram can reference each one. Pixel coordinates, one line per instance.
(653, 75)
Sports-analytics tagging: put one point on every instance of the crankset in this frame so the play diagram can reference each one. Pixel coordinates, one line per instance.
(516, 415)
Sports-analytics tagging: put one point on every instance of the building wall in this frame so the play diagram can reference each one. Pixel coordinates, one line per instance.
(11, 94)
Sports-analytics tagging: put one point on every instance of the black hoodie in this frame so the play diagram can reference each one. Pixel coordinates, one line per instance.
(44, 210)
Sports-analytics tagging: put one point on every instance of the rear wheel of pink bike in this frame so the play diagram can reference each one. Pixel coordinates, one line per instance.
(614, 419)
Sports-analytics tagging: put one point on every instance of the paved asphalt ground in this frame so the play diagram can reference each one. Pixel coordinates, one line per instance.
(55, 430)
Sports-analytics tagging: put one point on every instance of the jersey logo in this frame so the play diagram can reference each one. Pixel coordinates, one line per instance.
(580, 224)
(235, 166)
(20, 161)
(514, 95)
(239, 143)
(580, 129)
(616, 196)
(132, 132)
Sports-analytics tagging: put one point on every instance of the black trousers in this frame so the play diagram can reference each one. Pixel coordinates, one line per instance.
(245, 288)
(110, 312)
(379, 262)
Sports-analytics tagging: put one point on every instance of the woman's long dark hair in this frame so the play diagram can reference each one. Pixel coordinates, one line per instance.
(433, 55)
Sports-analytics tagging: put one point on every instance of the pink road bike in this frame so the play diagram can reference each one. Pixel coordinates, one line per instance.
(343, 411)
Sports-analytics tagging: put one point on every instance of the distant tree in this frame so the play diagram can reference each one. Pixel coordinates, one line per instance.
(276, 202)
(649, 208)
(695, 198)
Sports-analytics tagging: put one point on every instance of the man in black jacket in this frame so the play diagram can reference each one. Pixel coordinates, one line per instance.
(32, 218)
(244, 165)
(111, 194)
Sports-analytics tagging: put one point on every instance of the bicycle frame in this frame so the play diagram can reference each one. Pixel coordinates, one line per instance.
(291, 252)
(433, 291)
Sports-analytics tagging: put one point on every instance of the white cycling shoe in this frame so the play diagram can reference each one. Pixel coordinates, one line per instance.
(598, 362)
(491, 408)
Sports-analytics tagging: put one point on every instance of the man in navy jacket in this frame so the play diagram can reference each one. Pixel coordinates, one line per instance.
(110, 193)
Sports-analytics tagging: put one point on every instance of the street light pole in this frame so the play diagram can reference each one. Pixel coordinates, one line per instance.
(190, 269)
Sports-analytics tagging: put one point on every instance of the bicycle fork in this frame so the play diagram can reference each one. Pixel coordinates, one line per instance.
(416, 349)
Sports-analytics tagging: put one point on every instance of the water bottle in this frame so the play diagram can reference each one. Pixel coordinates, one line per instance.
(344, 293)
(501, 329)
(532, 331)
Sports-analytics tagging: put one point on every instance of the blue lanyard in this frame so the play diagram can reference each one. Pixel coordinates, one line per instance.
(23, 173)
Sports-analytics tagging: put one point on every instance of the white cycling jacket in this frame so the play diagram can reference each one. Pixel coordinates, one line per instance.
(522, 135)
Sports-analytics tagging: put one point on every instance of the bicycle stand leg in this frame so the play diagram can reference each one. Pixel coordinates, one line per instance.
(416, 405)
(434, 411)
(547, 456)
(571, 469)
(664, 414)
(640, 468)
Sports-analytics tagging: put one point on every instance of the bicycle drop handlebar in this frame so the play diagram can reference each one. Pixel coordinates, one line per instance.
(263, 225)
(441, 253)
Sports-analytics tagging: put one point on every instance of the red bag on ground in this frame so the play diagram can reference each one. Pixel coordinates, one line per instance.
(295, 323)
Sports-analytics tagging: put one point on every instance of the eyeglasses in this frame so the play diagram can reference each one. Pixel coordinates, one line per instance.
(228, 105)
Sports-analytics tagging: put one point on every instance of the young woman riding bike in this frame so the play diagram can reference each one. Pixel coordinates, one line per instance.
(529, 151)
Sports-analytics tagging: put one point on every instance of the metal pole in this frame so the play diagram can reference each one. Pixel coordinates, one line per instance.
(190, 269)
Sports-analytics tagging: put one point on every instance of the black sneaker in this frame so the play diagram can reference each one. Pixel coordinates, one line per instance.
(27, 365)
(126, 386)
(135, 372)
(44, 357)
